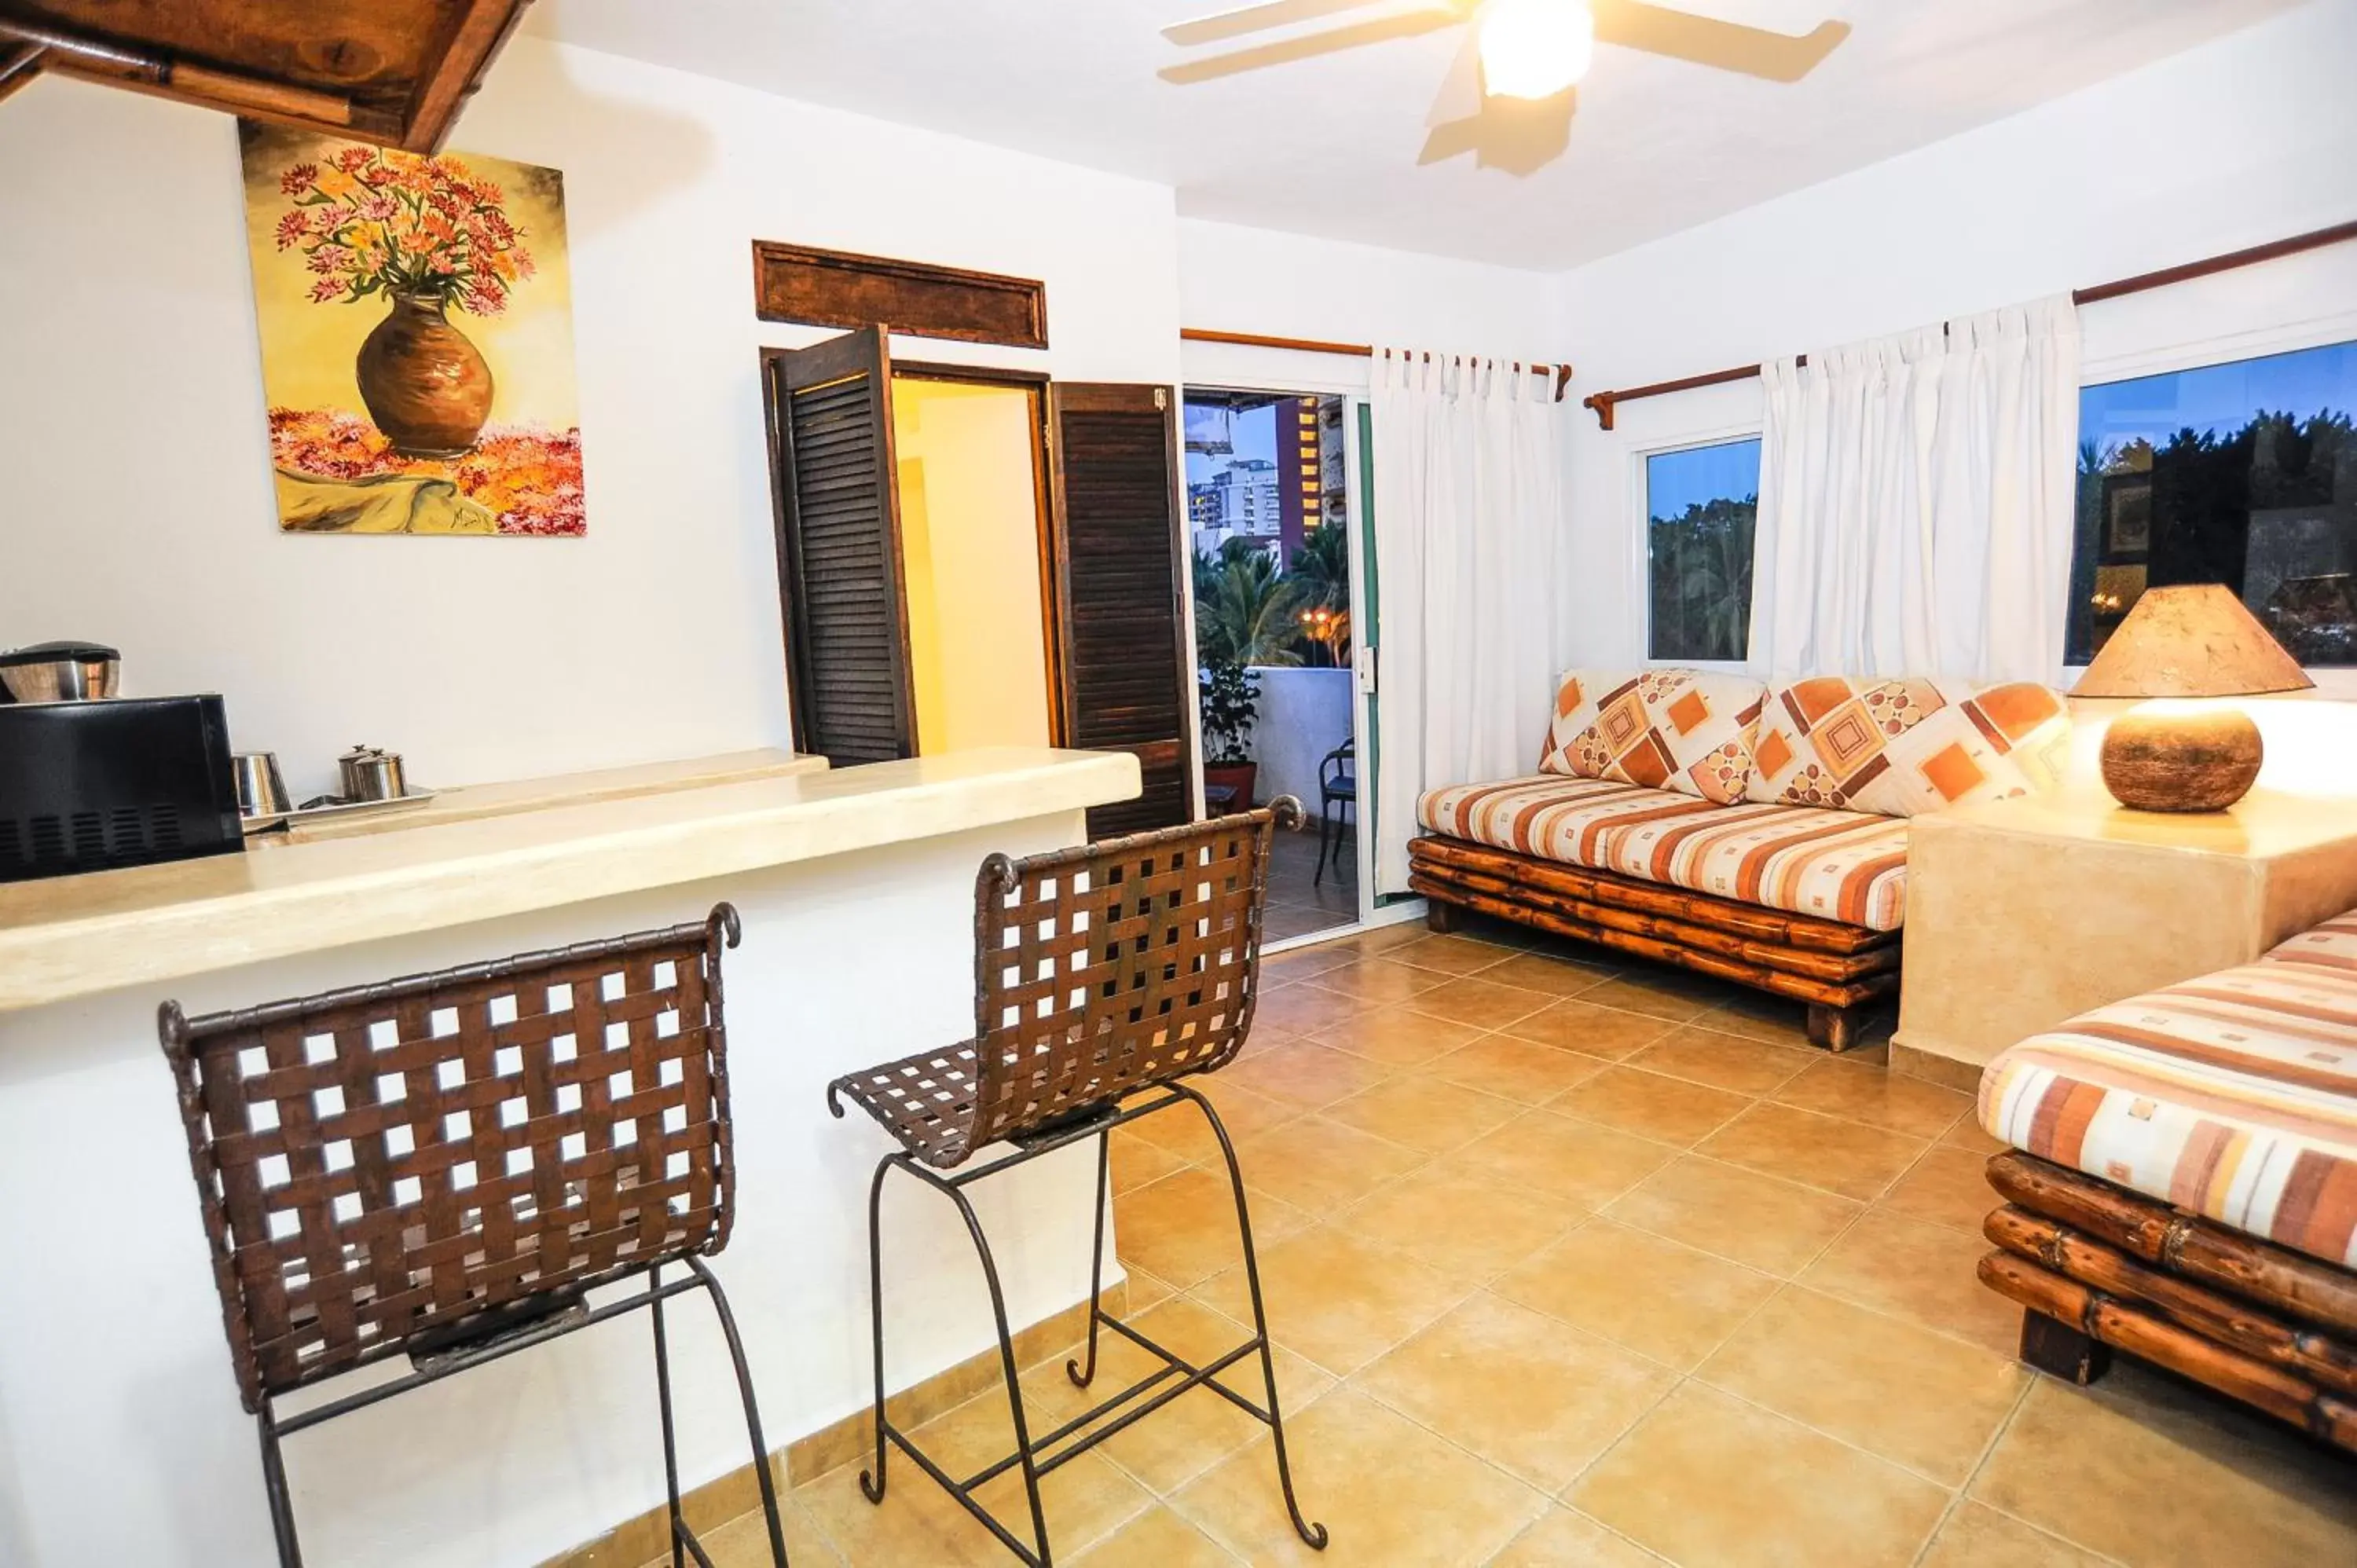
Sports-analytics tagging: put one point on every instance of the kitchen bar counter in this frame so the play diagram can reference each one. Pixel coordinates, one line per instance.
(121, 1436)
(71, 937)
(470, 800)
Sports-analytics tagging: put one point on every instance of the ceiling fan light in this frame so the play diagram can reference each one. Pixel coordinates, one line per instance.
(1535, 49)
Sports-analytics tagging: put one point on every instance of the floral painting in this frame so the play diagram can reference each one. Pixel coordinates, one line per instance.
(417, 317)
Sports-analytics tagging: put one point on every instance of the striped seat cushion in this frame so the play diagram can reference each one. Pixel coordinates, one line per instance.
(1838, 865)
(2233, 1095)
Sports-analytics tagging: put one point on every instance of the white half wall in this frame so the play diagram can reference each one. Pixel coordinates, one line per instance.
(122, 1441)
(2242, 141)
(1304, 715)
(139, 512)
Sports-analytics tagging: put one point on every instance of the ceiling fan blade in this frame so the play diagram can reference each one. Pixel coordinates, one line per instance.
(1256, 18)
(1706, 40)
(1519, 137)
(1379, 30)
(1459, 97)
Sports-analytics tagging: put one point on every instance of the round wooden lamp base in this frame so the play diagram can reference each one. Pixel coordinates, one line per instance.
(2165, 757)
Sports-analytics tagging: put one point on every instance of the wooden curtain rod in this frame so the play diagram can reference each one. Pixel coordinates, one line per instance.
(1604, 402)
(1562, 373)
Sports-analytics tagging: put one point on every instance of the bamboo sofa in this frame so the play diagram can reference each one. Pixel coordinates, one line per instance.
(2182, 1183)
(1753, 832)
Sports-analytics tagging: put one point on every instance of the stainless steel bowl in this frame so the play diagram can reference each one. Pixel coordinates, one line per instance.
(59, 671)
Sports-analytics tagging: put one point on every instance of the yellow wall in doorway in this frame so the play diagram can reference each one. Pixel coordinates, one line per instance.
(970, 537)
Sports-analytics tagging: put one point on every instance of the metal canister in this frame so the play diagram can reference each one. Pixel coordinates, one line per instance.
(370, 773)
(261, 790)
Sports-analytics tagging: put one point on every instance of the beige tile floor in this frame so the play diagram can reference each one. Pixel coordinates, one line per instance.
(1583, 1263)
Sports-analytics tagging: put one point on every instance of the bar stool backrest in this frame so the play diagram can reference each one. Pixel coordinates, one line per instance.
(1106, 968)
(384, 1163)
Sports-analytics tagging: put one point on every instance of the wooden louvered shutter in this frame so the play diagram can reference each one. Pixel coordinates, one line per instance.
(839, 572)
(1127, 670)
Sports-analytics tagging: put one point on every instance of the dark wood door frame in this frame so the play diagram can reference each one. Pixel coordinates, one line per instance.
(979, 375)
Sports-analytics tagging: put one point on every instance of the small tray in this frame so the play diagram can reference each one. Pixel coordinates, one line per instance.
(328, 808)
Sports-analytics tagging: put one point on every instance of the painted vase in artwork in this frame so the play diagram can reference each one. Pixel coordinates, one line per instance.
(425, 384)
(426, 234)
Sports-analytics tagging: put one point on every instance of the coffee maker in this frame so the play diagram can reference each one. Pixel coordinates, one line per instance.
(91, 781)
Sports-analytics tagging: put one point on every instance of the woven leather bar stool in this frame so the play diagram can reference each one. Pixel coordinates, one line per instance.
(443, 1167)
(1103, 976)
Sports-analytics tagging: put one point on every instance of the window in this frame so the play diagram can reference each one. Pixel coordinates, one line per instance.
(1699, 507)
(2244, 474)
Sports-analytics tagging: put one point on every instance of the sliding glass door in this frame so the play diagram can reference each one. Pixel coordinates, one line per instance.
(1274, 488)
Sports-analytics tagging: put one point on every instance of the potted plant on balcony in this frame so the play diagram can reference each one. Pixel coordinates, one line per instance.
(1230, 703)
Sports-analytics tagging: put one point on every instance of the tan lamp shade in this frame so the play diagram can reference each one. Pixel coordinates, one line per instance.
(2192, 641)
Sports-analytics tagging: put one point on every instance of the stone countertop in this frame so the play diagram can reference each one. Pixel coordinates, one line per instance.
(468, 802)
(76, 935)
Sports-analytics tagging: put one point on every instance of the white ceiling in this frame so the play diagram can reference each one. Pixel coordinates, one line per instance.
(1328, 145)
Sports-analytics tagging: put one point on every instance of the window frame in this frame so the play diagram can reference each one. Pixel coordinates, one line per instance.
(2336, 682)
(1641, 556)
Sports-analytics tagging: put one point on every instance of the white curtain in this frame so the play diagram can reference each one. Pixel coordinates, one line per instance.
(1916, 499)
(1469, 522)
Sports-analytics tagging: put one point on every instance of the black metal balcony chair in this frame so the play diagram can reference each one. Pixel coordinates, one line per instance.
(443, 1167)
(1338, 790)
(1103, 973)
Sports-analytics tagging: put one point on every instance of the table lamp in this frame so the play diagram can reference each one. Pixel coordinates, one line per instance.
(2179, 645)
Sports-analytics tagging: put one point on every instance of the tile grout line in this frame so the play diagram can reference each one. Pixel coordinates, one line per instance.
(1484, 1283)
(1963, 1491)
(2013, 1417)
(1954, 1490)
(1671, 1026)
(1864, 1208)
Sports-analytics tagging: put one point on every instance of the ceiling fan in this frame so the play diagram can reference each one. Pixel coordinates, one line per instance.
(1511, 95)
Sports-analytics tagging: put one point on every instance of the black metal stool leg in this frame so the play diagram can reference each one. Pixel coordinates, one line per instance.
(753, 1411)
(1096, 1264)
(274, 1482)
(872, 1482)
(1007, 1364)
(1325, 826)
(1315, 1534)
(663, 1398)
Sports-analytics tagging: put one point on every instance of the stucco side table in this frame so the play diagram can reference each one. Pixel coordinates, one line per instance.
(2023, 913)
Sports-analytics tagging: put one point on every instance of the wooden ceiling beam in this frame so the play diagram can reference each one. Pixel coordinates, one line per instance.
(482, 29)
(19, 63)
(239, 73)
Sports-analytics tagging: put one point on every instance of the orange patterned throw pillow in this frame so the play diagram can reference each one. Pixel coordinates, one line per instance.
(1685, 730)
(1906, 746)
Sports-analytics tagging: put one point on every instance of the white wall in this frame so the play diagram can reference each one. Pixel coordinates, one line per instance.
(2243, 141)
(1234, 279)
(138, 510)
